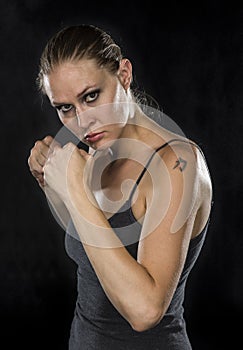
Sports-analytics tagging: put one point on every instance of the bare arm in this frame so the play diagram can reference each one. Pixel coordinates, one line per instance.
(152, 279)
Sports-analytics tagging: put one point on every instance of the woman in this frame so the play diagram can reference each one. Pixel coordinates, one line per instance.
(136, 207)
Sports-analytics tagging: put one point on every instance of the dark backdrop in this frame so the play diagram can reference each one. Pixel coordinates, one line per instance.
(188, 57)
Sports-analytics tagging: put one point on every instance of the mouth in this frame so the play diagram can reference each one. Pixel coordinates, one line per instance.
(94, 137)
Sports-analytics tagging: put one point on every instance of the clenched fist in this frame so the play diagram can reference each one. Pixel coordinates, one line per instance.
(39, 155)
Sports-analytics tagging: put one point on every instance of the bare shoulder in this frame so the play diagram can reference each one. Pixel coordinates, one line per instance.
(184, 154)
(187, 167)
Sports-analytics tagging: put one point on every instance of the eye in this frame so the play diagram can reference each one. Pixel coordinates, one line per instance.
(64, 108)
(92, 96)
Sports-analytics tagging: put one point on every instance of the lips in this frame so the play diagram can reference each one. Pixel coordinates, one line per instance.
(94, 137)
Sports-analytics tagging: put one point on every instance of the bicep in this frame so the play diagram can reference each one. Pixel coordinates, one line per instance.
(168, 224)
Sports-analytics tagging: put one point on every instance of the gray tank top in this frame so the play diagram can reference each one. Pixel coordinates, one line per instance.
(97, 325)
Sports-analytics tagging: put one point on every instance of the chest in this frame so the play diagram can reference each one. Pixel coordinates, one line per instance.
(114, 183)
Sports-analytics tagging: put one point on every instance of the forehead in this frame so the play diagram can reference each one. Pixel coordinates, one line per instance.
(67, 77)
(83, 67)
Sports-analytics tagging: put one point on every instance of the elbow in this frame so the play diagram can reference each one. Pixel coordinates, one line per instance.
(147, 320)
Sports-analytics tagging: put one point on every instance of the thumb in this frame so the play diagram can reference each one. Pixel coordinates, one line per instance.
(85, 155)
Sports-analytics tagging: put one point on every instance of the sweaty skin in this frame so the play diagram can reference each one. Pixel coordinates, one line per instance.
(179, 215)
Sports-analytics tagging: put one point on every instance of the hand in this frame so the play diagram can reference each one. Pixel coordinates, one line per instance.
(64, 171)
(38, 157)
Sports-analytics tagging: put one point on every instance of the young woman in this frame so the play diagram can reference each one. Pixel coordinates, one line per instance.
(136, 207)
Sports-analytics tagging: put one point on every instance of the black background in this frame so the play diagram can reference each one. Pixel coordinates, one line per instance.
(188, 56)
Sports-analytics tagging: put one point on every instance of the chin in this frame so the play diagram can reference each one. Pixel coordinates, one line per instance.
(101, 146)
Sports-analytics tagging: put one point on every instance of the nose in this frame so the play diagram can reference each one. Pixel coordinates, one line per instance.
(85, 118)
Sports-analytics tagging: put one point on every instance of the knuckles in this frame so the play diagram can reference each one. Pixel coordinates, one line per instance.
(53, 156)
(33, 152)
(48, 139)
(69, 146)
(38, 143)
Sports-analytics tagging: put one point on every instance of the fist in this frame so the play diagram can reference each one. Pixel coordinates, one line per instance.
(38, 157)
(64, 170)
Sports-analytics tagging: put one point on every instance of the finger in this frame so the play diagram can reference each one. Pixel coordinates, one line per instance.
(48, 140)
(46, 146)
(69, 145)
(41, 181)
(36, 170)
(33, 163)
(41, 148)
(41, 159)
(39, 177)
(36, 159)
(55, 146)
(51, 142)
(84, 154)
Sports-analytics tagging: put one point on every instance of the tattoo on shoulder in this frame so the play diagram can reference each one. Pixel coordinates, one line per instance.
(181, 164)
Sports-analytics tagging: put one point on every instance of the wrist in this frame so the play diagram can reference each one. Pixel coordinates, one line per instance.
(79, 196)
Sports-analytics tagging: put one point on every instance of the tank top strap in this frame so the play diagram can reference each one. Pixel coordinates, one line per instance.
(145, 169)
(150, 159)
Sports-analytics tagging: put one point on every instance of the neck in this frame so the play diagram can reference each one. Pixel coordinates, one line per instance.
(139, 137)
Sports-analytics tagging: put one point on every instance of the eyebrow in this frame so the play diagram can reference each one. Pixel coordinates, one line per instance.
(55, 104)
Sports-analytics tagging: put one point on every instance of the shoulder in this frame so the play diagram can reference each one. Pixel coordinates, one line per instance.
(193, 176)
(179, 158)
(182, 155)
(181, 178)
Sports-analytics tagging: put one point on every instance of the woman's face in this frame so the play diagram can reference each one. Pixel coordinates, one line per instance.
(90, 101)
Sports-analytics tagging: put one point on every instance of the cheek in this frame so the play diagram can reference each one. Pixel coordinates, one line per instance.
(71, 123)
(119, 111)
(112, 113)
(120, 94)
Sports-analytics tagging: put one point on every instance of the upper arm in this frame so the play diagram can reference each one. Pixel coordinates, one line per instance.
(169, 218)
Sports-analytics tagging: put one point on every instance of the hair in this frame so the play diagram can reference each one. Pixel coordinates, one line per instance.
(76, 42)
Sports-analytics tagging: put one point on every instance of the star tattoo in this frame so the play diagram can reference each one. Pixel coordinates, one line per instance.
(180, 163)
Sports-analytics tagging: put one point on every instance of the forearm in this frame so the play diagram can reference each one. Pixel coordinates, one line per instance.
(126, 283)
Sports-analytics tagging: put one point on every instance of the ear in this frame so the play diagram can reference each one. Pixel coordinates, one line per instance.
(125, 73)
